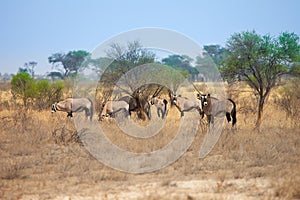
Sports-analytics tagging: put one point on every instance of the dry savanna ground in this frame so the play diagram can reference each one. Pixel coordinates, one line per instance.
(42, 158)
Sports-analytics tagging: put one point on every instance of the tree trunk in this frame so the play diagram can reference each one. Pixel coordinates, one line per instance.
(260, 111)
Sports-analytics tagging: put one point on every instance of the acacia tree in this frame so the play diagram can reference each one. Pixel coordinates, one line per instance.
(295, 69)
(122, 59)
(97, 65)
(71, 62)
(30, 67)
(181, 63)
(216, 53)
(260, 60)
(209, 61)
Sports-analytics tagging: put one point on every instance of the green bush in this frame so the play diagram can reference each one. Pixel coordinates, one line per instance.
(56, 93)
(48, 93)
(23, 87)
(41, 93)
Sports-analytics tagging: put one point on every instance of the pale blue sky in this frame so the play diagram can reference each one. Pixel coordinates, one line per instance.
(32, 30)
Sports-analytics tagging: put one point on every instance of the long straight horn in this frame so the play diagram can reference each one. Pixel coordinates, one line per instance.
(158, 90)
(196, 88)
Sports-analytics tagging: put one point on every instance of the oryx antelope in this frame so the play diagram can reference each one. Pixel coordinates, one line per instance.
(71, 105)
(184, 104)
(144, 106)
(160, 104)
(133, 104)
(112, 107)
(138, 104)
(212, 107)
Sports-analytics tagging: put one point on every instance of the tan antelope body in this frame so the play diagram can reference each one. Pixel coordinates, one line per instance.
(213, 107)
(71, 105)
(112, 107)
(184, 104)
(160, 103)
(161, 106)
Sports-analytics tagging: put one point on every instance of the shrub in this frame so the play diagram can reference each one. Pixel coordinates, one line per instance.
(23, 86)
(42, 93)
(57, 91)
(48, 93)
(289, 99)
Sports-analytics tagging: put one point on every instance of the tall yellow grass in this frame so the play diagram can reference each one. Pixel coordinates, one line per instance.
(41, 155)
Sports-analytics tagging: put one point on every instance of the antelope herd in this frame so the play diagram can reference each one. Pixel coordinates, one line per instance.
(205, 104)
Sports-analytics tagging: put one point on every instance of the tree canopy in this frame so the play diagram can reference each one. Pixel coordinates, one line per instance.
(216, 53)
(181, 63)
(260, 60)
(70, 62)
(23, 87)
(123, 59)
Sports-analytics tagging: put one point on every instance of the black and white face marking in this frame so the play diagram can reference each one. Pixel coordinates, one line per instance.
(174, 99)
(53, 108)
(204, 100)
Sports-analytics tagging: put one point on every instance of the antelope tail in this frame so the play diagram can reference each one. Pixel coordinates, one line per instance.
(233, 112)
(166, 103)
(165, 110)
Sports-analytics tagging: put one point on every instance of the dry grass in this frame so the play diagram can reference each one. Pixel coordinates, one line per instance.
(41, 157)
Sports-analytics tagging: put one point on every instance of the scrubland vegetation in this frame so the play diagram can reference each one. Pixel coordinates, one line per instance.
(42, 157)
